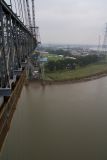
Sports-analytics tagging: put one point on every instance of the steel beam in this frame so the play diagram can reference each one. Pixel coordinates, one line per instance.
(16, 44)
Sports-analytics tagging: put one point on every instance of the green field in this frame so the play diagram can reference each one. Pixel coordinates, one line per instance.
(52, 57)
(78, 73)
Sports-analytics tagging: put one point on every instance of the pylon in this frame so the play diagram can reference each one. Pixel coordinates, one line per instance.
(104, 46)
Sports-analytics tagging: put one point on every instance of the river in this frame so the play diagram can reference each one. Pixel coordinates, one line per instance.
(59, 122)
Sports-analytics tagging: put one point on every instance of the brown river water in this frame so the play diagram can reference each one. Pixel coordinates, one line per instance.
(59, 122)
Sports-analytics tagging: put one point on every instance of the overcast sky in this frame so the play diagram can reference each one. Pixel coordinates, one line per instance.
(71, 21)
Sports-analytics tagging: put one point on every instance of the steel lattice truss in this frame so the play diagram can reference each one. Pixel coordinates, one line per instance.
(16, 43)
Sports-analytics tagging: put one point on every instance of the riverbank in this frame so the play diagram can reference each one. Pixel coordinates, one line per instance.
(90, 72)
(90, 78)
(72, 119)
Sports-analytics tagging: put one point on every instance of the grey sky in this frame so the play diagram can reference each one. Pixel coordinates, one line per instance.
(71, 21)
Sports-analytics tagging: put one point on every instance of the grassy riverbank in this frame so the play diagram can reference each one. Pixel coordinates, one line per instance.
(78, 73)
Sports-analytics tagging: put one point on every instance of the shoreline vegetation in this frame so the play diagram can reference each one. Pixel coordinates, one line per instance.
(87, 73)
(64, 67)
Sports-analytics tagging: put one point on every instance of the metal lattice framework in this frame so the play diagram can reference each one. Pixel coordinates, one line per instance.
(16, 43)
(33, 17)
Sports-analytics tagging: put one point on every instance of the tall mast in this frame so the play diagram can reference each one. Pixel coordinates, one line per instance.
(104, 46)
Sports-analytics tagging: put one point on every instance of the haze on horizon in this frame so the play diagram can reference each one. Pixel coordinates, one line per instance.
(71, 21)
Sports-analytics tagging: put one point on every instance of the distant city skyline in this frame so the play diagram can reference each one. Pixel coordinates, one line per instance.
(71, 21)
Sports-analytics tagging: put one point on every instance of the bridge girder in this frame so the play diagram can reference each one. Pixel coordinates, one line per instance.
(16, 44)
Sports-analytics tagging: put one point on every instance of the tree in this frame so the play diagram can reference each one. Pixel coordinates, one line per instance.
(50, 65)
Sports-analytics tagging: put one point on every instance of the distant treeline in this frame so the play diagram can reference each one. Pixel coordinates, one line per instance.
(72, 63)
(85, 60)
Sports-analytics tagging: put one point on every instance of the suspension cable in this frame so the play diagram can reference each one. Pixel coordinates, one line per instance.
(21, 7)
(11, 4)
(15, 6)
(19, 11)
(25, 12)
(33, 17)
(29, 17)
